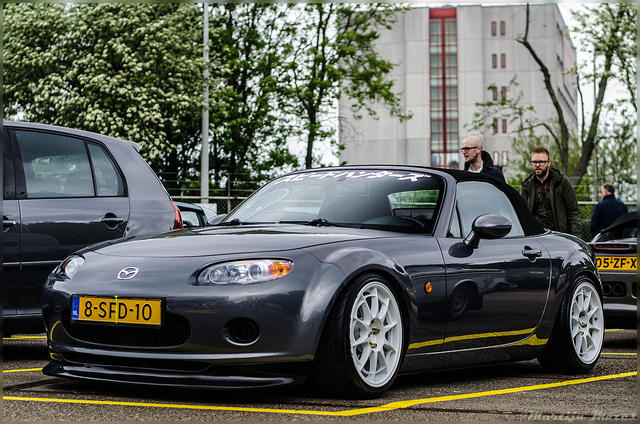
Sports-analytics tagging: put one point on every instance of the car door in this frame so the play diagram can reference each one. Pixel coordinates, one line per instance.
(71, 194)
(497, 292)
(10, 233)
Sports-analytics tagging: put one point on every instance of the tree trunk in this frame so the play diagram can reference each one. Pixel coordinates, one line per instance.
(563, 144)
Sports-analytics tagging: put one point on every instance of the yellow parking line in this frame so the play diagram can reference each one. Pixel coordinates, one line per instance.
(348, 413)
(29, 369)
(24, 337)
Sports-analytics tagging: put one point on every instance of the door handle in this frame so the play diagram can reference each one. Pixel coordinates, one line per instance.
(531, 253)
(111, 220)
(6, 223)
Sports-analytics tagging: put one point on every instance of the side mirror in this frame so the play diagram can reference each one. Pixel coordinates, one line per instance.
(489, 226)
(216, 219)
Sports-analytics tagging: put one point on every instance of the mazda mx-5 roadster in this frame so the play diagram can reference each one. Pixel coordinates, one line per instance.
(341, 277)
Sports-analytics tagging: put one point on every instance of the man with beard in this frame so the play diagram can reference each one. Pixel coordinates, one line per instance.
(550, 196)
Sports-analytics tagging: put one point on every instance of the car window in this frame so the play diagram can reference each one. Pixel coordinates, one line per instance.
(59, 166)
(108, 180)
(454, 226)
(376, 199)
(54, 166)
(418, 204)
(478, 198)
(190, 219)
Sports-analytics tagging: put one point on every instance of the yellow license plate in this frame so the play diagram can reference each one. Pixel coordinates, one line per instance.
(617, 263)
(117, 310)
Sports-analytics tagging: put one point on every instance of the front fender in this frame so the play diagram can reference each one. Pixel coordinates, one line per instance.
(354, 261)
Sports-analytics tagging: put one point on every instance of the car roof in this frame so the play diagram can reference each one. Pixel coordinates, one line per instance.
(188, 206)
(70, 131)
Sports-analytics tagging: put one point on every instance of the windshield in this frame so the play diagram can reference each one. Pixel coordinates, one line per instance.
(406, 201)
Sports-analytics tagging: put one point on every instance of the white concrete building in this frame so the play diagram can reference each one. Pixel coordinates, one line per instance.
(479, 48)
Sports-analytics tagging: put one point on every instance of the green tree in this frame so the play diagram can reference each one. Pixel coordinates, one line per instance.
(249, 141)
(329, 51)
(617, 153)
(607, 31)
(125, 70)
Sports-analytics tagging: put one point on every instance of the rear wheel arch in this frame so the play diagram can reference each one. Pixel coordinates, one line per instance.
(578, 331)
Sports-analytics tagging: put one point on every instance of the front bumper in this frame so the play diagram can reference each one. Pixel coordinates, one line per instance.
(258, 376)
(195, 346)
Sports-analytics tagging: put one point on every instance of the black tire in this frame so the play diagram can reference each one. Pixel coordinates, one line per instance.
(367, 367)
(576, 340)
(460, 301)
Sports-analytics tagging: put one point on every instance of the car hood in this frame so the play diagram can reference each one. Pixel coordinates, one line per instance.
(234, 240)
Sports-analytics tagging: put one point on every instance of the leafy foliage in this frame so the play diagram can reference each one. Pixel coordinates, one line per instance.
(330, 51)
(125, 70)
(135, 71)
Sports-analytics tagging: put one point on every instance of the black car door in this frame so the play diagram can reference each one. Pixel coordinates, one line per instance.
(497, 292)
(10, 233)
(71, 194)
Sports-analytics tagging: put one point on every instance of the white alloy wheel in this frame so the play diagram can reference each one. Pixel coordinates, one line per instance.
(375, 331)
(586, 323)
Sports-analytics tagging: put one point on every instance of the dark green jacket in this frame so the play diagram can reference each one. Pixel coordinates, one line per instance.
(564, 203)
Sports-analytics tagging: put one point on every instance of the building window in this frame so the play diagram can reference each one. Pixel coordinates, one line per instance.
(443, 87)
(503, 60)
(505, 158)
(504, 126)
(493, 28)
(503, 28)
(496, 158)
(494, 90)
(494, 60)
(503, 93)
(495, 125)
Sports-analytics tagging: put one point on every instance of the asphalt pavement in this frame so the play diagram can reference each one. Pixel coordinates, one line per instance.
(509, 392)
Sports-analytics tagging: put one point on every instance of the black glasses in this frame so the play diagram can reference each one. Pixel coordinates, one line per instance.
(538, 162)
(466, 149)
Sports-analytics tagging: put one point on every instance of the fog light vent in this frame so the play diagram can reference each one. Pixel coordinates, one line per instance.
(241, 331)
(58, 302)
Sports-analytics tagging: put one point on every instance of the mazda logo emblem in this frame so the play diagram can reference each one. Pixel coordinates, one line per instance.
(127, 273)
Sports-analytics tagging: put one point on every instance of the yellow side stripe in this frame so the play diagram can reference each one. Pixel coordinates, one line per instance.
(471, 337)
(619, 353)
(349, 413)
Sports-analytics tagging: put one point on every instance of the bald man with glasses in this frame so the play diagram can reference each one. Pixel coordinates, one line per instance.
(477, 160)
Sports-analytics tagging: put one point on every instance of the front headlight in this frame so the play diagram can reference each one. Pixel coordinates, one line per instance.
(68, 268)
(245, 272)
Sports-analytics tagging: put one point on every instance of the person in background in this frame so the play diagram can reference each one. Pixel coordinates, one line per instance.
(607, 210)
(477, 160)
(549, 195)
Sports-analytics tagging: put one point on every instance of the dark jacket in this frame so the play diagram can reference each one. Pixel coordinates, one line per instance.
(606, 212)
(488, 167)
(564, 203)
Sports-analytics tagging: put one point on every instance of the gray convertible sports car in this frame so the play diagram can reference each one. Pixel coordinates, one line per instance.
(342, 276)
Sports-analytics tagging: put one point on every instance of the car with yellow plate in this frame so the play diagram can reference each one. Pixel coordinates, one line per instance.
(616, 249)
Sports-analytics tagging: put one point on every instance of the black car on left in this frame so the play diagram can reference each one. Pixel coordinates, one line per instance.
(64, 189)
(343, 277)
